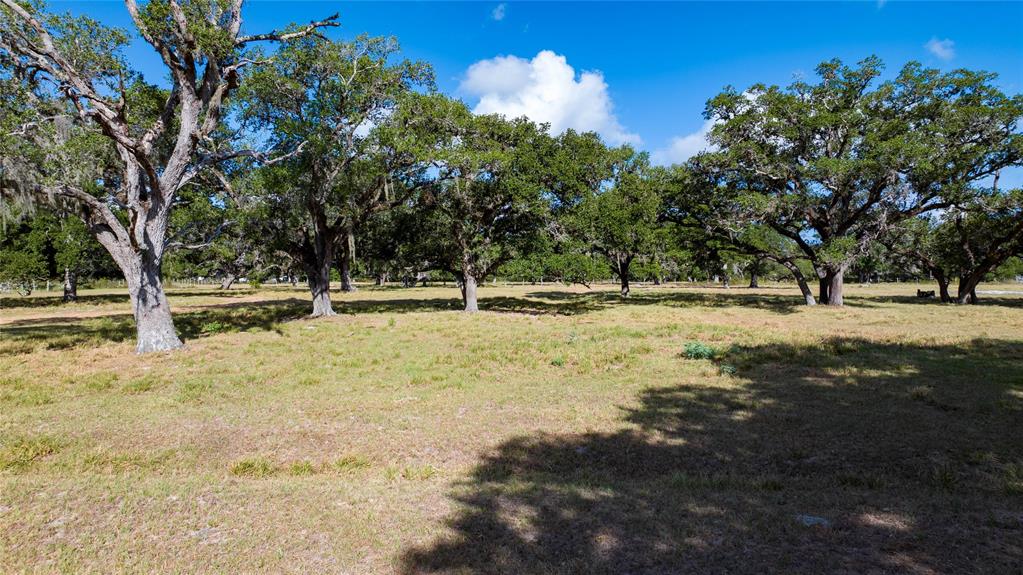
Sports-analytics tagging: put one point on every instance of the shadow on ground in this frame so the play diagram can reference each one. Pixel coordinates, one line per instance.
(24, 336)
(115, 298)
(850, 456)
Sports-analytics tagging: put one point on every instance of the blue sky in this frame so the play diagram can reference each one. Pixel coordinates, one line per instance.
(641, 72)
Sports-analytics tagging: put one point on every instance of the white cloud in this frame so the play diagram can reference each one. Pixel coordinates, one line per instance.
(944, 49)
(682, 148)
(545, 89)
(498, 13)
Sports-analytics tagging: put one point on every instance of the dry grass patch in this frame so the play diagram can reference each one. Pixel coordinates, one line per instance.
(561, 430)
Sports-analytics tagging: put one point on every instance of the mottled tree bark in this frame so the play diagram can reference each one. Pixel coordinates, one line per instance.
(469, 293)
(70, 285)
(804, 287)
(153, 322)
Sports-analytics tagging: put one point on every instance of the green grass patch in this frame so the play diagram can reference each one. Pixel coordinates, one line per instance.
(20, 452)
(258, 467)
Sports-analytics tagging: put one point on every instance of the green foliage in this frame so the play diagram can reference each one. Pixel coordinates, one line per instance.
(830, 165)
(698, 350)
(486, 206)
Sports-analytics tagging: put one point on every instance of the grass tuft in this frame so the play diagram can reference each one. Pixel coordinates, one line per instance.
(21, 452)
(301, 468)
(351, 463)
(258, 467)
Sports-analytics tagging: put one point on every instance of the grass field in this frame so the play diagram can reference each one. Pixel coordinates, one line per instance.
(561, 430)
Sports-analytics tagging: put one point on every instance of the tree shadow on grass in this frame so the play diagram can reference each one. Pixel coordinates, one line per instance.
(26, 336)
(777, 303)
(498, 304)
(849, 456)
(989, 300)
(113, 298)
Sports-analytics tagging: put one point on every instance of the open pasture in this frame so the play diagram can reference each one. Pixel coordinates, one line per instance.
(561, 430)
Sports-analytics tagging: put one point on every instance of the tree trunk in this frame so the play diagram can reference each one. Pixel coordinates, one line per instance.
(835, 287)
(943, 281)
(623, 274)
(804, 287)
(754, 278)
(967, 292)
(824, 286)
(70, 285)
(347, 285)
(153, 322)
(319, 286)
(228, 281)
(381, 278)
(347, 261)
(469, 293)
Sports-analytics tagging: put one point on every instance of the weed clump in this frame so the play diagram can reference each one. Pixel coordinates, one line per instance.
(350, 463)
(698, 350)
(254, 467)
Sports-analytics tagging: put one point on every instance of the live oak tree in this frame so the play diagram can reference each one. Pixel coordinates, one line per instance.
(978, 236)
(710, 210)
(620, 222)
(832, 165)
(916, 241)
(487, 204)
(323, 102)
(81, 62)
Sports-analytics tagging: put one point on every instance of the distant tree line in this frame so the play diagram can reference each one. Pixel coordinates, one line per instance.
(321, 160)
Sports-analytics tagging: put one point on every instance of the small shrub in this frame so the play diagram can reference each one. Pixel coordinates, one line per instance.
(558, 362)
(727, 369)
(254, 467)
(698, 350)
